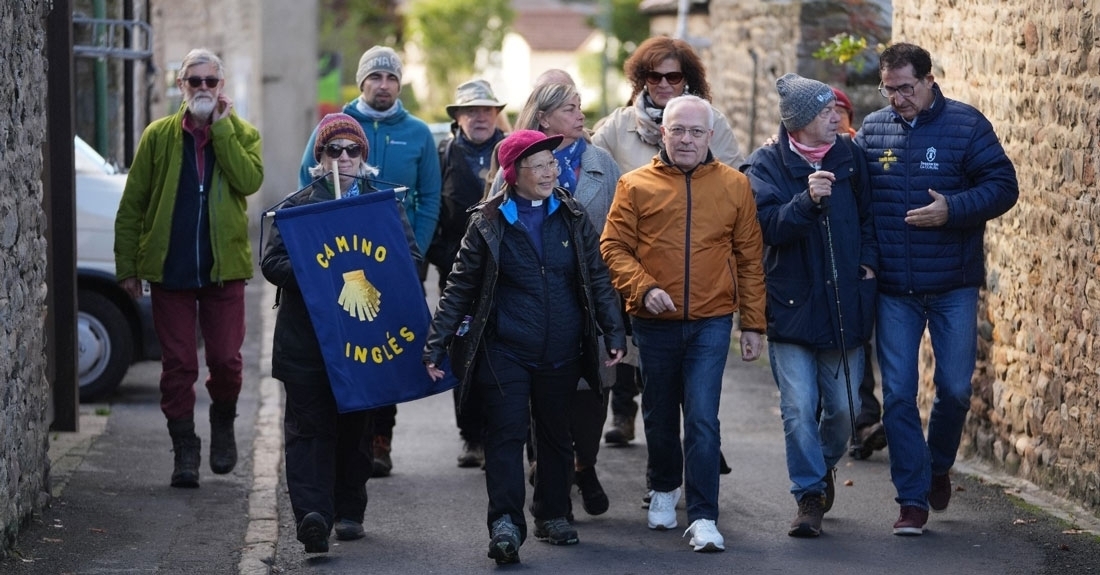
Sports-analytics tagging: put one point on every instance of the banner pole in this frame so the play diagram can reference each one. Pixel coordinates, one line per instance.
(336, 178)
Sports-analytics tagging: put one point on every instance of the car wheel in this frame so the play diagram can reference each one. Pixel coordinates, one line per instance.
(105, 345)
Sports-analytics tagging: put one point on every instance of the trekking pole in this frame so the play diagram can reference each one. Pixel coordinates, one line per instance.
(839, 317)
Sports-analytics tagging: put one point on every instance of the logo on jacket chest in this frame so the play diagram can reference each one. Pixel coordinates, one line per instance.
(887, 159)
(930, 162)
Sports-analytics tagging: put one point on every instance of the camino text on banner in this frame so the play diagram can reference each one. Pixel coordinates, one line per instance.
(360, 284)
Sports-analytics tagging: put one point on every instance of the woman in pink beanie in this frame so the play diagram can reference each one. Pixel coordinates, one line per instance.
(521, 318)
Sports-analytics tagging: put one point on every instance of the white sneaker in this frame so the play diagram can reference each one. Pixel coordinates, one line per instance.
(662, 509)
(705, 536)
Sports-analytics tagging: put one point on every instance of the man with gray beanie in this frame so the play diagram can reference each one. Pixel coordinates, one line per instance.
(403, 150)
(813, 201)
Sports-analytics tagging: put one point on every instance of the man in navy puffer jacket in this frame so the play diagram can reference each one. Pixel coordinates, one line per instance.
(938, 174)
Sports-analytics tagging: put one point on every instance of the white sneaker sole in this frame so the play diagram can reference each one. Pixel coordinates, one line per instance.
(662, 526)
(708, 547)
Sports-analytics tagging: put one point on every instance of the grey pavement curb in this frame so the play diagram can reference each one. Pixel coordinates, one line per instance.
(262, 535)
(67, 450)
(1075, 515)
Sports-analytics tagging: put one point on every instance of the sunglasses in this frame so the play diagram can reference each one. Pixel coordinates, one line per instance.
(333, 151)
(196, 81)
(655, 78)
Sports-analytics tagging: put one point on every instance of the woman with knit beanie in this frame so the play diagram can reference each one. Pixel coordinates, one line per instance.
(328, 454)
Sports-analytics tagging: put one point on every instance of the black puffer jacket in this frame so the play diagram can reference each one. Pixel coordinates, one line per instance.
(472, 286)
(296, 354)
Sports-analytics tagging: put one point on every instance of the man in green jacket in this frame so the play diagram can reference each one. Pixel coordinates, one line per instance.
(182, 225)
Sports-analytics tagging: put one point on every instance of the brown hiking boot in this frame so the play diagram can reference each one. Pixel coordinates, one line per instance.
(383, 465)
(473, 455)
(871, 438)
(621, 432)
(810, 512)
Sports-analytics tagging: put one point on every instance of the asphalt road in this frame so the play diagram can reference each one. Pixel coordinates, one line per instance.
(114, 511)
(429, 516)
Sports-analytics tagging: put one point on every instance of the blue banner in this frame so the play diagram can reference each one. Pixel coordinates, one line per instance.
(360, 284)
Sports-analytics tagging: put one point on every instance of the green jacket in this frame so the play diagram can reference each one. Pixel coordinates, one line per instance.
(143, 225)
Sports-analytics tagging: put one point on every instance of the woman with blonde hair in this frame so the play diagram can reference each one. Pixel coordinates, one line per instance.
(590, 174)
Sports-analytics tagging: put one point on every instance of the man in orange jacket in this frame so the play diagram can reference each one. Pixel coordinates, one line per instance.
(684, 249)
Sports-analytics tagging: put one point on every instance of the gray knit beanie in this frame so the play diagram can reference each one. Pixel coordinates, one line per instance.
(378, 59)
(801, 100)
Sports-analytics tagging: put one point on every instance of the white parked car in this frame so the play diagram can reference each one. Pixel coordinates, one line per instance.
(113, 330)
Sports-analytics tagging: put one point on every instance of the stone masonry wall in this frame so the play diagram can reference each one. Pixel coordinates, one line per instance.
(1033, 68)
(229, 29)
(24, 391)
(753, 43)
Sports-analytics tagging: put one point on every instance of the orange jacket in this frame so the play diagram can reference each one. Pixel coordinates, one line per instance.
(693, 234)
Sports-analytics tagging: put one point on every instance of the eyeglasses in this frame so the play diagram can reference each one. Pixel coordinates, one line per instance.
(905, 90)
(679, 131)
(655, 78)
(551, 166)
(196, 81)
(334, 151)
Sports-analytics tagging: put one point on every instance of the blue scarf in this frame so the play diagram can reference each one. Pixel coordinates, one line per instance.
(569, 159)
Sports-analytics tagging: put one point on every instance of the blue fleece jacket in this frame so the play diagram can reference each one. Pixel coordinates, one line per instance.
(403, 150)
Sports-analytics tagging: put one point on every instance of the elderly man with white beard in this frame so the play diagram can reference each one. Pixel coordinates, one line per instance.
(182, 226)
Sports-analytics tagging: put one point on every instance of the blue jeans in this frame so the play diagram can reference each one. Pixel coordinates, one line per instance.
(682, 365)
(951, 319)
(810, 381)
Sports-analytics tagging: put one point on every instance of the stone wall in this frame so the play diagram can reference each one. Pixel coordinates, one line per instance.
(229, 29)
(24, 393)
(1033, 67)
(754, 42)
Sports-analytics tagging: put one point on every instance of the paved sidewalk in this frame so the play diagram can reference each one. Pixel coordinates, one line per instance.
(112, 511)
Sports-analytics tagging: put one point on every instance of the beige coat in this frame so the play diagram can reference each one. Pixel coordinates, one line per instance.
(618, 134)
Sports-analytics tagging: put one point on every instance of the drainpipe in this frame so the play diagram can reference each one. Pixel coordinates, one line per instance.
(682, 8)
(752, 99)
(605, 25)
(101, 139)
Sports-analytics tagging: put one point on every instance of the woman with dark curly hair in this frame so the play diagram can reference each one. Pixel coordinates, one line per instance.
(660, 69)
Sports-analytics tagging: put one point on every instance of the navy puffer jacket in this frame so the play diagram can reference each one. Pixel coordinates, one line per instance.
(953, 150)
(474, 283)
(802, 299)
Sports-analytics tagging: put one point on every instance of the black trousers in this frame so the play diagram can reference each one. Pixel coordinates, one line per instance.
(385, 418)
(470, 415)
(328, 455)
(587, 414)
(627, 386)
(870, 410)
(512, 393)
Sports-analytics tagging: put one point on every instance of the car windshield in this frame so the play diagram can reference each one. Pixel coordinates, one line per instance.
(88, 160)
